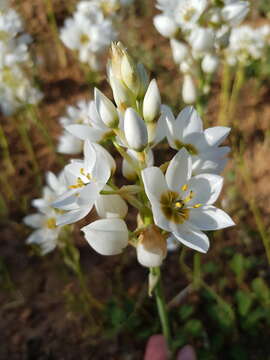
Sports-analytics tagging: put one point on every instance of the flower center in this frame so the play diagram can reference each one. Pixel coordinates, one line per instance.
(80, 183)
(51, 223)
(188, 13)
(84, 39)
(174, 207)
(189, 147)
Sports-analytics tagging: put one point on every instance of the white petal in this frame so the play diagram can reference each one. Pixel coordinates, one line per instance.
(107, 236)
(179, 170)
(194, 239)
(72, 216)
(206, 189)
(86, 132)
(194, 123)
(209, 218)
(109, 206)
(135, 130)
(154, 183)
(216, 135)
(34, 220)
(52, 181)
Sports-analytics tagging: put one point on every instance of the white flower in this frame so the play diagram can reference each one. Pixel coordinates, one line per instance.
(182, 204)
(189, 91)
(151, 102)
(85, 181)
(84, 122)
(180, 51)
(246, 44)
(44, 222)
(202, 39)
(210, 63)
(88, 32)
(165, 25)
(135, 130)
(234, 11)
(203, 145)
(188, 12)
(107, 236)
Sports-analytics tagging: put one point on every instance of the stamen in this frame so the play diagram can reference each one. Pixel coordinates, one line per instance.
(51, 223)
(184, 187)
(196, 206)
(179, 204)
(79, 184)
(189, 197)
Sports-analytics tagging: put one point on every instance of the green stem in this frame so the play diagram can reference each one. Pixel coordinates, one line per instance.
(225, 95)
(23, 131)
(54, 29)
(237, 85)
(162, 308)
(6, 152)
(197, 270)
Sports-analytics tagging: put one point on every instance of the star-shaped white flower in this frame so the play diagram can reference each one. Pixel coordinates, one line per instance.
(186, 131)
(182, 204)
(86, 179)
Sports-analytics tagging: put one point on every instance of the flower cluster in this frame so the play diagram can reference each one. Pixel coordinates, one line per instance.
(247, 44)
(16, 89)
(172, 201)
(90, 31)
(198, 31)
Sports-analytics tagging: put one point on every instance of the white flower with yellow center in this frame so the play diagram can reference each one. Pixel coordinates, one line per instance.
(182, 204)
(85, 181)
(186, 131)
(44, 222)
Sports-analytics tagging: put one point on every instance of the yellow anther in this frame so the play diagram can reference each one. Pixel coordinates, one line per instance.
(82, 171)
(51, 223)
(189, 197)
(184, 187)
(79, 184)
(196, 206)
(178, 204)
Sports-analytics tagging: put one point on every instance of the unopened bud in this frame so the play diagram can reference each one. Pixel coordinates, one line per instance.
(106, 109)
(144, 80)
(180, 51)
(210, 63)
(135, 130)
(165, 25)
(151, 103)
(152, 247)
(202, 40)
(130, 74)
(116, 59)
(189, 91)
(121, 93)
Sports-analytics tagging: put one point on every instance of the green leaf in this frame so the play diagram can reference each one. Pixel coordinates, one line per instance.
(186, 311)
(261, 290)
(244, 302)
(237, 265)
(194, 327)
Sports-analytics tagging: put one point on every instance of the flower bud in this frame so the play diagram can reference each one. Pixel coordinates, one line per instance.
(144, 80)
(106, 109)
(165, 25)
(128, 170)
(179, 51)
(135, 130)
(116, 59)
(121, 93)
(210, 63)
(111, 206)
(189, 92)
(130, 74)
(202, 39)
(151, 103)
(152, 247)
(107, 236)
